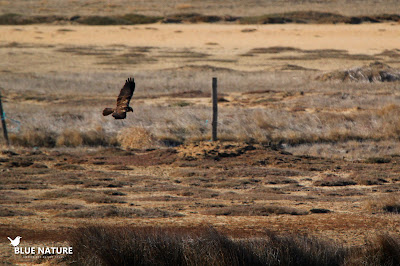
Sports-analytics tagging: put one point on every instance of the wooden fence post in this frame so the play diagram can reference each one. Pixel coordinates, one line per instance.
(3, 122)
(215, 109)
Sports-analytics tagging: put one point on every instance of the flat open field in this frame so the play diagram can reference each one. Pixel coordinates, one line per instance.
(298, 153)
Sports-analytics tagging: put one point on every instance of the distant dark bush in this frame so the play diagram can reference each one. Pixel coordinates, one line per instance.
(394, 208)
(331, 182)
(17, 19)
(6, 212)
(254, 210)
(191, 18)
(102, 20)
(128, 19)
(112, 211)
(377, 160)
(140, 19)
(320, 210)
(14, 19)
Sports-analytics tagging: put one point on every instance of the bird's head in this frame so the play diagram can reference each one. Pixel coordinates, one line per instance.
(18, 237)
(129, 109)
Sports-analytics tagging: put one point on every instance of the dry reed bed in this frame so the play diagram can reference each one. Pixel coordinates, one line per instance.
(101, 245)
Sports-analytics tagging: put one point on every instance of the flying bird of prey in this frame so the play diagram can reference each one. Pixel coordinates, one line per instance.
(123, 100)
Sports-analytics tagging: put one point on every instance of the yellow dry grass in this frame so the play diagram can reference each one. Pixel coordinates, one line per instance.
(136, 138)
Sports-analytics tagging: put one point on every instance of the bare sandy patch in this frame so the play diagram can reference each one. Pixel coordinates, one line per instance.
(176, 45)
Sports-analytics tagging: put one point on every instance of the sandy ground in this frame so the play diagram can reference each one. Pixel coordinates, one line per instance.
(364, 38)
(223, 44)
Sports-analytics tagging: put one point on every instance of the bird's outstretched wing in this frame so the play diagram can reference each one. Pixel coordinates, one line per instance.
(124, 97)
(108, 111)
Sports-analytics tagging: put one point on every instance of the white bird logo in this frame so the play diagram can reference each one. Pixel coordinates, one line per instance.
(16, 241)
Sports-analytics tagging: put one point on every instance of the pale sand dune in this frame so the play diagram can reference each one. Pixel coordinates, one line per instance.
(365, 38)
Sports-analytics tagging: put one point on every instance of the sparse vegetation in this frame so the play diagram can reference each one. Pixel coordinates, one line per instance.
(7, 212)
(386, 204)
(133, 19)
(112, 211)
(254, 210)
(128, 19)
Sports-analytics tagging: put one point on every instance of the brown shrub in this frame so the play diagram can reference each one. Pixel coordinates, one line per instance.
(388, 204)
(136, 138)
(334, 180)
(384, 249)
(57, 206)
(75, 138)
(34, 138)
(102, 199)
(5, 212)
(70, 138)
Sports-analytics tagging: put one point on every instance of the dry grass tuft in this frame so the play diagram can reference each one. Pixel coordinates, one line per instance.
(387, 204)
(136, 138)
(34, 138)
(6, 212)
(70, 138)
(75, 138)
(333, 181)
(383, 249)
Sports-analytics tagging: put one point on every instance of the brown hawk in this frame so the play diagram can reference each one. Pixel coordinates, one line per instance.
(123, 100)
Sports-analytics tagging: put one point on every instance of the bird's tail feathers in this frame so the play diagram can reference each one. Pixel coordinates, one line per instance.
(108, 111)
(9, 238)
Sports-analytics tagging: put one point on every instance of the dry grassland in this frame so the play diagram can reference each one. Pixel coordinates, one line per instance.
(209, 7)
(298, 155)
